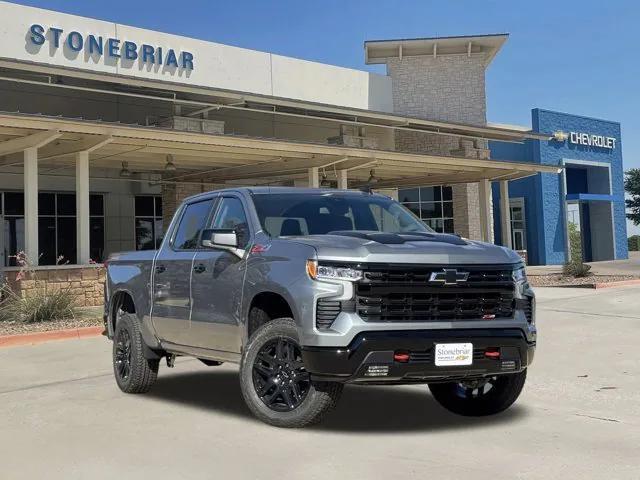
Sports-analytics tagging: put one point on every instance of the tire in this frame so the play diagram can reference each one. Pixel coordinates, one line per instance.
(134, 373)
(277, 389)
(498, 394)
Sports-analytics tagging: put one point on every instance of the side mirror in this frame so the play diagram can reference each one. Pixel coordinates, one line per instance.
(212, 238)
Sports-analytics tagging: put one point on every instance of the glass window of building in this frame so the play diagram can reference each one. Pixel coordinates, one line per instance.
(56, 227)
(148, 222)
(433, 205)
(518, 224)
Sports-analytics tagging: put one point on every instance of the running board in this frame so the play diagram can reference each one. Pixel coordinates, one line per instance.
(209, 354)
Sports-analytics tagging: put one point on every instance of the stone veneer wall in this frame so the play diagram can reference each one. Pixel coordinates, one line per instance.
(86, 283)
(448, 88)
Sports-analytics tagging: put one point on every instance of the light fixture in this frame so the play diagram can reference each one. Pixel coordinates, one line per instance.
(325, 181)
(170, 166)
(372, 177)
(125, 172)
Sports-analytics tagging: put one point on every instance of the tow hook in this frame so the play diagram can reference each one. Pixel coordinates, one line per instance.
(171, 360)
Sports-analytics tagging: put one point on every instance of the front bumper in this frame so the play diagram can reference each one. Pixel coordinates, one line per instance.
(369, 358)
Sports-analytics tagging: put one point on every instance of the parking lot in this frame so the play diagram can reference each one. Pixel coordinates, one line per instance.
(579, 416)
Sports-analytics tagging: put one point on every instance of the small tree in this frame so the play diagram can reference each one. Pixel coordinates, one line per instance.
(575, 267)
(632, 187)
(575, 243)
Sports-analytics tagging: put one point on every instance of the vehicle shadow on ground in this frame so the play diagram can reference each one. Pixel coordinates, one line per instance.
(361, 409)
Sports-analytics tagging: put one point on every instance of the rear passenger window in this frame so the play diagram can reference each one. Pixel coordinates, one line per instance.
(191, 225)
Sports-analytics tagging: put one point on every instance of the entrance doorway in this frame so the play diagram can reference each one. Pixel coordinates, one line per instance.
(518, 224)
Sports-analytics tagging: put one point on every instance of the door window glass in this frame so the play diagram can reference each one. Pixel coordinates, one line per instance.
(191, 225)
(231, 216)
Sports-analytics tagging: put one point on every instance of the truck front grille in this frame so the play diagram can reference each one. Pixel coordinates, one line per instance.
(400, 293)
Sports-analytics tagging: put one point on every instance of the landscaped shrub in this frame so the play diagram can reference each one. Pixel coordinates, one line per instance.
(39, 304)
(634, 243)
(575, 267)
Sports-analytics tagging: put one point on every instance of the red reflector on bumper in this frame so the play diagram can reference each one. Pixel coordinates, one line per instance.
(402, 357)
(492, 353)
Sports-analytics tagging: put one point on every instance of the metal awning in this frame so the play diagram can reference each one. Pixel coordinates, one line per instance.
(199, 99)
(229, 159)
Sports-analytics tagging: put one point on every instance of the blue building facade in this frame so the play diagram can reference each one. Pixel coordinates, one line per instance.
(589, 193)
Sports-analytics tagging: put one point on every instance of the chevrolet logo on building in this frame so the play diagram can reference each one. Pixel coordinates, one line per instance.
(448, 276)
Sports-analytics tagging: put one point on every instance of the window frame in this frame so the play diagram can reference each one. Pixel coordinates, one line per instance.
(55, 215)
(153, 219)
(212, 210)
(518, 202)
(438, 203)
(216, 209)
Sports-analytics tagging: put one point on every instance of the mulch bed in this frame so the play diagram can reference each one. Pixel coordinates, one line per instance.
(16, 328)
(559, 280)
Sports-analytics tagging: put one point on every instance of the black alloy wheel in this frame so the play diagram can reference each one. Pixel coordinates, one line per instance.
(134, 372)
(476, 388)
(279, 376)
(123, 354)
(482, 396)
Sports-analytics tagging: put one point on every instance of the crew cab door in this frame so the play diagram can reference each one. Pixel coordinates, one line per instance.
(171, 286)
(217, 281)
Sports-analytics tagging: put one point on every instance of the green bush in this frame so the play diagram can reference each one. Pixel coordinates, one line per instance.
(40, 305)
(575, 267)
(634, 243)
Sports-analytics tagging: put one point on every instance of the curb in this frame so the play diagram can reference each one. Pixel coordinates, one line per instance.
(621, 283)
(595, 286)
(42, 337)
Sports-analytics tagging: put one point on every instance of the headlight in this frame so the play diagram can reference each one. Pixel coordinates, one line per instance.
(520, 275)
(324, 272)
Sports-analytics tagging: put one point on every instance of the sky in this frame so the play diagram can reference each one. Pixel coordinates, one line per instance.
(580, 57)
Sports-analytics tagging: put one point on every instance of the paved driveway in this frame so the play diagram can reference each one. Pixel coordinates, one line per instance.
(579, 416)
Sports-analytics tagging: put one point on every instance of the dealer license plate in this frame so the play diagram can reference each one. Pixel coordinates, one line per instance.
(451, 354)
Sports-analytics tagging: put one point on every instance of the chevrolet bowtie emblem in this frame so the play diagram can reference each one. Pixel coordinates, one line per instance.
(448, 276)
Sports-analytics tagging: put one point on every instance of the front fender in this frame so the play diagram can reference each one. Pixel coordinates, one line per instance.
(280, 269)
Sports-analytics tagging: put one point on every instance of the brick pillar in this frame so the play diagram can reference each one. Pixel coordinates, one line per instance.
(447, 88)
(466, 210)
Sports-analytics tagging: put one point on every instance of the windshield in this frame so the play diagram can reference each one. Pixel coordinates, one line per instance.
(288, 214)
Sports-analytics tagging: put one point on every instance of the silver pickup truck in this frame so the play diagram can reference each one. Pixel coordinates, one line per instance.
(310, 289)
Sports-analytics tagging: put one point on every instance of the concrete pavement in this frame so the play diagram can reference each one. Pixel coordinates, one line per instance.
(579, 416)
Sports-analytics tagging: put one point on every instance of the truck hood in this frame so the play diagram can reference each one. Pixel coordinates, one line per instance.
(374, 247)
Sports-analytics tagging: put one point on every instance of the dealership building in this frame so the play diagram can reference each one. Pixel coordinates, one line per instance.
(105, 128)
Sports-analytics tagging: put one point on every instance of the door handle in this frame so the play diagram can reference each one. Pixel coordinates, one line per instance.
(199, 268)
(160, 268)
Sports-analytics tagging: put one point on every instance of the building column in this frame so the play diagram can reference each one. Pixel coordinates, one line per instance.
(505, 214)
(314, 181)
(466, 210)
(343, 183)
(83, 254)
(31, 248)
(484, 191)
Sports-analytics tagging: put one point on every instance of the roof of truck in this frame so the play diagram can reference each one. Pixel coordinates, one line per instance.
(267, 190)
